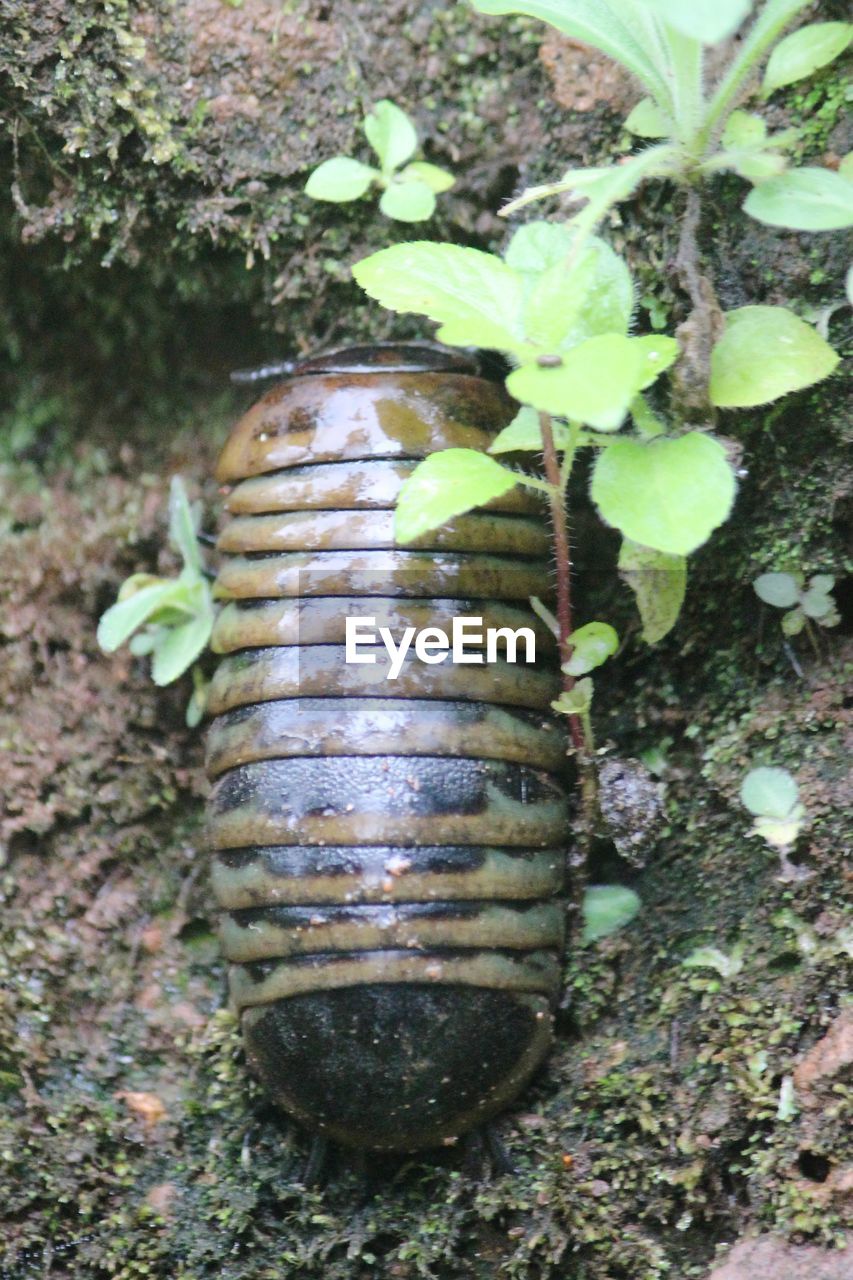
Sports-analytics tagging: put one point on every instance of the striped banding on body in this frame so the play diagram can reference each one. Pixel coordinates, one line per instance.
(380, 573)
(387, 853)
(385, 799)
(310, 875)
(268, 675)
(348, 486)
(374, 530)
(268, 980)
(266, 933)
(255, 624)
(301, 726)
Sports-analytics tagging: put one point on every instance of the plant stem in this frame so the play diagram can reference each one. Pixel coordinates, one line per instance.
(580, 726)
(562, 555)
(703, 326)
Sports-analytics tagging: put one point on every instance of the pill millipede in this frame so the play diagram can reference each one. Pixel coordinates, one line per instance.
(387, 854)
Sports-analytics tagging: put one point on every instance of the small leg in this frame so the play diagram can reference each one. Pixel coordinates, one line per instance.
(501, 1159)
(313, 1174)
(482, 1145)
(206, 539)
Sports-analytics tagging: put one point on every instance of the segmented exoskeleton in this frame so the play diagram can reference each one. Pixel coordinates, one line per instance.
(386, 853)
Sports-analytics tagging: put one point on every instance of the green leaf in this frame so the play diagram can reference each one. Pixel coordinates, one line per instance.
(474, 296)
(754, 165)
(770, 21)
(764, 353)
(817, 603)
(803, 51)
(576, 701)
(579, 296)
(595, 383)
(619, 30)
(410, 201)
(436, 179)
(648, 120)
(769, 792)
(177, 648)
(658, 354)
(646, 421)
(793, 622)
(339, 179)
(447, 484)
(537, 245)
(122, 619)
(668, 494)
(592, 645)
(779, 589)
(659, 582)
(606, 908)
(708, 21)
(727, 966)
(525, 435)
(602, 187)
(183, 526)
(744, 129)
(780, 832)
(141, 644)
(391, 134)
(807, 199)
(197, 704)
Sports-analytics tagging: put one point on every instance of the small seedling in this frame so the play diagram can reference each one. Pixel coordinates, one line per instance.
(813, 947)
(590, 645)
(773, 798)
(805, 603)
(727, 966)
(169, 618)
(408, 189)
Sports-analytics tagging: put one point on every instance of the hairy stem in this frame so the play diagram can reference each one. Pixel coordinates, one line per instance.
(562, 554)
(703, 326)
(580, 726)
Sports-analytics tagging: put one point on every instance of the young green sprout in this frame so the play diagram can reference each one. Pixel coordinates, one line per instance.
(805, 603)
(773, 798)
(169, 618)
(727, 965)
(408, 189)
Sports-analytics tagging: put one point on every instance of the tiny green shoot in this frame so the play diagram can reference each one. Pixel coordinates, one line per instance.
(727, 965)
(804, 603)
(170, 619)
(772, 796)
(409, 187)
